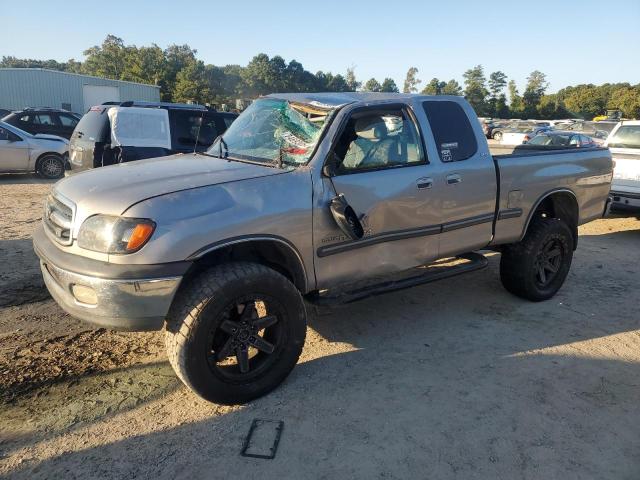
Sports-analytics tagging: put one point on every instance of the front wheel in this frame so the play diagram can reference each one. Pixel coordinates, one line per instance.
(537, 267)
(51, 167)
(235, 332)
(497, 136)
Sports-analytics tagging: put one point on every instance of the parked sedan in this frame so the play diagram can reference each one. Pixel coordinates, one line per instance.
(22, 152)
(520, 136)
(599, 131)
(557, 138)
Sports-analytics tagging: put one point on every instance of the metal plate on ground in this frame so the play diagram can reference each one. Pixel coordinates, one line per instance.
(263, 439)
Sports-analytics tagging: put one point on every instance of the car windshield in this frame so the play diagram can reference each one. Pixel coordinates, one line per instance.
(627, 136)
(274, 131)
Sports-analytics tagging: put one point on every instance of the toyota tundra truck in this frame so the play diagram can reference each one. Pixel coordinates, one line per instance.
(307, 199)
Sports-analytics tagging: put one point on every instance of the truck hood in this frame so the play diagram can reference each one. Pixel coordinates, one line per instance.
(113, 189)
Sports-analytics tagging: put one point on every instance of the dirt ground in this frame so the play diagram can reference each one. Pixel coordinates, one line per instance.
(456, 379)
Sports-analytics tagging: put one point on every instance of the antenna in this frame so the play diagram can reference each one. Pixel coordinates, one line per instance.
(195, 147)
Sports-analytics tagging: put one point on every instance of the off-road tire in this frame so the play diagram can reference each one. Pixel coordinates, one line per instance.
(200, 303)
(51, 166)
(518, 267)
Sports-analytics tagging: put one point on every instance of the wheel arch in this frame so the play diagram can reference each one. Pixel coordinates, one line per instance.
(271, 251)
(560, 203)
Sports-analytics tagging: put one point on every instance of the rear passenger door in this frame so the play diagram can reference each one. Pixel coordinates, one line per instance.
(67, 123)
(468, 194)
(46, 123)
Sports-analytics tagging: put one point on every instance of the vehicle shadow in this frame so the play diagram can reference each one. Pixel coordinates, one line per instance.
(20, 278)
(23, 179)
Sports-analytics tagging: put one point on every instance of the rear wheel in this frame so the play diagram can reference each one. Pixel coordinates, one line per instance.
(497, 136)
(537, 267)
(235, 332)
(51, 166)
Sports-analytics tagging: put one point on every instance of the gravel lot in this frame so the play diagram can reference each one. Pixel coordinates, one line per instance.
(457, 379)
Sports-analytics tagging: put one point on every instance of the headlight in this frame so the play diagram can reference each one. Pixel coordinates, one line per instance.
(107, 234)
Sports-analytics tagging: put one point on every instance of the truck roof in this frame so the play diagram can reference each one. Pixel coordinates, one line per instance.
(337, 99)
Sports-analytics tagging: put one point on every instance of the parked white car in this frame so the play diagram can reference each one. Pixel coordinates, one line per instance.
(22, 152)
(624, 143)
(518, 137)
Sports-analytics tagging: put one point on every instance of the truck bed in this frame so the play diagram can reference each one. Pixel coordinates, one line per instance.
(529, 174)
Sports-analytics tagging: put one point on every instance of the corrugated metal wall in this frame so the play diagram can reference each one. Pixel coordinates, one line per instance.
(35, 87)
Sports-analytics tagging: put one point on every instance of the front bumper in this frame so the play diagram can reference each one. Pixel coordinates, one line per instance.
(134, 304)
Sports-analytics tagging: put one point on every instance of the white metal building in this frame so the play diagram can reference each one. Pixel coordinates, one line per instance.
(38, 87)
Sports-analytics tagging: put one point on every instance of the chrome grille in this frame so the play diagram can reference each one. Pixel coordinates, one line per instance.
(58, 219)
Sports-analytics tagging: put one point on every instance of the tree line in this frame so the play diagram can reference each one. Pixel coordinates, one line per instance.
(182, 77)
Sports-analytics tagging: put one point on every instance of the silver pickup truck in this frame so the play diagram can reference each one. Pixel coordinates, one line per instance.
(307, 198)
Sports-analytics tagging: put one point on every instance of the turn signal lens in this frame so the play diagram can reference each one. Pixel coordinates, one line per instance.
(115, 235)
(139, 236)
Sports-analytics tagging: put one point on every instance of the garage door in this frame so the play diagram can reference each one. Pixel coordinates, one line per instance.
(97, 94)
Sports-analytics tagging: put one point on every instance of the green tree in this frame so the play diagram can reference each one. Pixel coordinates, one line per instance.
(13, 62)
(262, 76)
(411, 81)
(192, 85)
(352, 83)
(372, 85)
(145, 65)
(475, 90)
(452, 88)
(108, 60)
(626, 99)
(585, 101)
(501, 109)
(551, 107)
(337, 83)
(388, 85)
(536, 86)
(434, 87)
(497, 82)
(515, 100)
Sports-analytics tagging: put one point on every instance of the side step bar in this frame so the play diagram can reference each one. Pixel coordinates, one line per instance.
(439, 270)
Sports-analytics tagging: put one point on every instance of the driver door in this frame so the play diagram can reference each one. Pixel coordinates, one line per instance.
(382, 171)
(14, 152)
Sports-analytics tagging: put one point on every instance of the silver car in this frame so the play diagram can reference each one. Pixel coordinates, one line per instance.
(22, 152)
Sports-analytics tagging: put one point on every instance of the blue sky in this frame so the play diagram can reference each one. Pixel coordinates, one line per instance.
(571, 41)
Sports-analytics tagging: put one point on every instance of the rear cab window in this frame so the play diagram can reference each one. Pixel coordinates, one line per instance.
(452, 131)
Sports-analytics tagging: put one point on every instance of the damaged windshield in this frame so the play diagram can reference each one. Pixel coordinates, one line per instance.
(274, 131)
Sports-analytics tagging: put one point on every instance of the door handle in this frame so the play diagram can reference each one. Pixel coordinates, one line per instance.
(453, 179)
(424, 183)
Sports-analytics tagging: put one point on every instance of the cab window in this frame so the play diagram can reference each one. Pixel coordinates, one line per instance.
(380, 139)
(452, 131)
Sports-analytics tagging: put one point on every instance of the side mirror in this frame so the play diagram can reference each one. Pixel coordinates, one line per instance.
(346, 218)
(331, 165)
